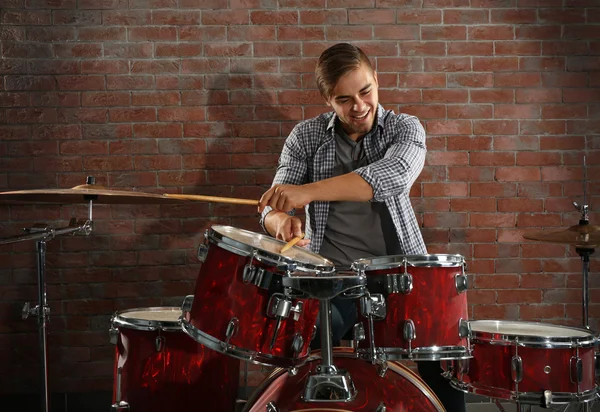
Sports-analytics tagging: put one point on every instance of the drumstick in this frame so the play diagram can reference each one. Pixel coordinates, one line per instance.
(292, 243)
(219, 199)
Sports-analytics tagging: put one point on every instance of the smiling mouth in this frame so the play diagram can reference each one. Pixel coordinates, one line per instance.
(363, 117)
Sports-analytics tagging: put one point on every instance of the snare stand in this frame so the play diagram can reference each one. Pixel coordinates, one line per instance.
(43, 234)
(328, 384)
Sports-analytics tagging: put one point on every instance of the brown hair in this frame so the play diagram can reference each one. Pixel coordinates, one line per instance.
(335, 62)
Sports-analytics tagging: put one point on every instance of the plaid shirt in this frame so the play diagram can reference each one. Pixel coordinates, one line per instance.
(395, 152)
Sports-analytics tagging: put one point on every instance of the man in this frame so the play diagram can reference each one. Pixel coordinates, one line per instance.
(352, 170)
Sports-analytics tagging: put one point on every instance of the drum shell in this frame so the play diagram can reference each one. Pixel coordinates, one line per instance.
(400, 390)
(182, 373)
(489, 372)
(221, 295)
(434, 305)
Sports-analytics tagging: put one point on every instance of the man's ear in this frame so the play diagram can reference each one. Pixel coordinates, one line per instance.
(375, 78)
(327, 102)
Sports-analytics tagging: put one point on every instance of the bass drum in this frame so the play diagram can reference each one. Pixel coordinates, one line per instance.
(399, 390)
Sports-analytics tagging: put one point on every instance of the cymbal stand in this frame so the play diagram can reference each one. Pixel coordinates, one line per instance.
(585, 262)
(43, 234)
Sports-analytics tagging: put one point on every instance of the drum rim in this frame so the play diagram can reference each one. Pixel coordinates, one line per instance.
(533, 398)
(263, 255)
(526, 339)
(344, 352)
(393, 261)
(119, 320)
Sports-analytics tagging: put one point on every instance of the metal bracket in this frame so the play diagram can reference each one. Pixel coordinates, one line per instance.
(271, 407)
(186, 306)
(280, 306)
(547, 398)
(159, 342)
(576, 369)
(297, 343)
(232, 329)
(464, 328)
(399, 283)
(373, 305)
(113, 335)
(461, 282)
(409, 331)
(516, 368)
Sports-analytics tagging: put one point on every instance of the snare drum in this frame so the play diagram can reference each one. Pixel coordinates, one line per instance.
(159, 368)
(240, 306)
(415, 307)
(528, 362)
(398, 390)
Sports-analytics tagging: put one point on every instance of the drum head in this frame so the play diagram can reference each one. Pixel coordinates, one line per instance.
(245, 242)
(163, 318)
(530, 332)
(389, 262)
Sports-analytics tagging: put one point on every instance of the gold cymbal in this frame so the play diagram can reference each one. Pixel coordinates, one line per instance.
(583, 236)
(85, 193)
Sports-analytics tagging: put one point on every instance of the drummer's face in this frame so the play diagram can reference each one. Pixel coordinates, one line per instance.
(354, 99)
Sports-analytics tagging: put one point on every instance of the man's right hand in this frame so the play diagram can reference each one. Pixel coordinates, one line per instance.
(284, 227)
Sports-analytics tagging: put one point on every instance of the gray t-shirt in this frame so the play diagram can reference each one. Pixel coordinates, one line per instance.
(356, 229)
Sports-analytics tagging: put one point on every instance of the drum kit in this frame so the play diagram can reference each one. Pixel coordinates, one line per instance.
(255, 303)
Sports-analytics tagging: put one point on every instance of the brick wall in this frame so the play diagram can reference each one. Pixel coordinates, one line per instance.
(197, 97)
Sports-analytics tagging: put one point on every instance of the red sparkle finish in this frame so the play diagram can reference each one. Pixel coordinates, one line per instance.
(489, 372)
(181, 375)
(400, 390)
(434, 305)
(221, 295)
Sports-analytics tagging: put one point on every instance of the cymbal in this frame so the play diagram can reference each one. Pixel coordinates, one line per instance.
(583, 236)
(85, 193)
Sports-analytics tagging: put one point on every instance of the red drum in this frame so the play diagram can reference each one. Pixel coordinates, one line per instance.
(240, 306)
(159, 368)
(415, 308)
(399, 390)
(528, 362)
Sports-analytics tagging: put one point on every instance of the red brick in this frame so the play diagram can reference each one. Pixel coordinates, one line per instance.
(102, 34)
(212, 161)
(564, 79)
(446, 96)
(520, 205)
(104, 99)
(32, 115)
(470, 174)
(541, 312)
(262, 66)
(469, 143)
(538, 95)
(539, 189)
(538, 32)
(178, 50)
(445, 127)
(495, 32)
(418, 16)
(345, 32)
(520, 111)
(542, 251)
(31, 149)
(522, 16)
(88, 147)
(155, 66)
(496, 281)
(517, 79)
(537, 159)
(56, 131)
(274, 17)
(492, 96)
(163, 162)
(567, 48)
(132, 115)
(227, 49)
(473, 204)
(399, 96)
(472, 236)
(130, 82)
(58, 164)
(581, 31)
(437, 111)
(495, 127)
(440, 220)
(518, 48)
(202, 33)
(471, 48)
(181, 114)
(126, 17)
(478, 297)
(286, 33)
(446, 158)
(445, 189)
(495, 64)
(581, 95)
(137, 146)
(471, 80)
(175, 17)
(203, 98)
(563, 111)
(558, 173)
(516, 143)
(520, 296)
(155, 99)
(157, 130)
(518, 174)
(551, 64)
(327, 17)
(495, 251)
(562, 296)
(447, 64)
(80, 82)
(469, 111)
(82, 115)
(495, 312)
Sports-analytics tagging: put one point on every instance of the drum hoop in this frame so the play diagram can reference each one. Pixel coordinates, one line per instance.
(394, 261)
(523, 397)
(534, 341)
(119, 320)
(262, 255)
(401, 370)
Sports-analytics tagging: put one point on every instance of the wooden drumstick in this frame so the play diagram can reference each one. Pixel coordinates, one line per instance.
(291, 243)
(217, 199)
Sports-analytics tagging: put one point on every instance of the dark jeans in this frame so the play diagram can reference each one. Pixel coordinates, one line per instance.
(343, 318)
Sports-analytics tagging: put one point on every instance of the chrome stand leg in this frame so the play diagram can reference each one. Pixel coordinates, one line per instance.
(585, 260)
(523, 408)
(42, 318)
(326, 333)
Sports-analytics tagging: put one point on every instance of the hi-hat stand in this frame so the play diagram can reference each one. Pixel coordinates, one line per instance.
(42, 234)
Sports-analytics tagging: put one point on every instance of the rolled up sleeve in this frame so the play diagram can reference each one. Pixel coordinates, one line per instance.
(291, 169)
(402, 163)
